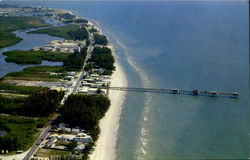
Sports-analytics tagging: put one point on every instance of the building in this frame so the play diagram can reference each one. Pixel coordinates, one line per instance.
(61, 125)
(66, 137)
(51, 142)
(79, 148)
(83, 90)
(69, 78)
(75, 131)
(84, 140)
(58, 89)
(67, 129)
(66, 46)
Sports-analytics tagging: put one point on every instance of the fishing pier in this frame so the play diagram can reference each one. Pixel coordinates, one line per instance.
(177, 91)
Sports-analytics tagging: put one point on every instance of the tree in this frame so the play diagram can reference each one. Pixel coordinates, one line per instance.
(73, 62)
(72, 145)
(42, 104)
(85, 111)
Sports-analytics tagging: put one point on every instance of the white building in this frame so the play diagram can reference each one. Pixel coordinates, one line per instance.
(85, 139)
(83, 90)
(66, 137)
(75, 131)
(80, 148)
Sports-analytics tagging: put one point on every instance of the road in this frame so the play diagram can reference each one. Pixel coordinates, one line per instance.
(40, 139)
(73, 91)
(38, 142)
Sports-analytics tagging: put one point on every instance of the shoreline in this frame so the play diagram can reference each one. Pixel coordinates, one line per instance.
(106, 144)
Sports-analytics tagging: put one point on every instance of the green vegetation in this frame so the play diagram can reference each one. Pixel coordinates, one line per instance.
(33, 57)
(47, 153)
(70, 31)
(72, 62)
(100, 39)
(20, 89)
(10, 24)
(41, 73)
(75, 61)
(85, 111)
(61, 31)
(92, 30)
(20, 132)
(102, 56)
(11, 105)
(66, 16)
(42, 104)
(80, 34)
(86, 150)
(72, 145)
(8, 39)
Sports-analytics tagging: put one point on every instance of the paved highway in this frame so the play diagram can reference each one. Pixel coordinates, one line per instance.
(73, 91)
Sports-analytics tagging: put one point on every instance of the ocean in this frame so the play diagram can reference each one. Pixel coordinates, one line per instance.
(185, 45)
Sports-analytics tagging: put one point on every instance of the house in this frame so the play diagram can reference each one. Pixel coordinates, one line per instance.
(103, 91)
(82, 137)
(106, 77)
(68, 78)
(83, 90)
(75, 131)
(85, 140)
(76, 127)
(94, 76)
(92, 91)
(71, 73)
(79, 148)
(94, 85)
(61, 125)
(67, 129)
(58, 89)
(66, 137)
(51, 142)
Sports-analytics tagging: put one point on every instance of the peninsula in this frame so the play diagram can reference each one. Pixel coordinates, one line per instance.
(62, 105)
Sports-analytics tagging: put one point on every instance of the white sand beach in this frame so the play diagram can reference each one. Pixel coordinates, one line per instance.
(106, 144)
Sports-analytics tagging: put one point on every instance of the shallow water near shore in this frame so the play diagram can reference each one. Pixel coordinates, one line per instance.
(185, 45)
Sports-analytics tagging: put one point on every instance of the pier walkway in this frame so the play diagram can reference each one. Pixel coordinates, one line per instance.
(177, 91)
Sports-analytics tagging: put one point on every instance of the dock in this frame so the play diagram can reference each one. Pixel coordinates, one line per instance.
(178, 92)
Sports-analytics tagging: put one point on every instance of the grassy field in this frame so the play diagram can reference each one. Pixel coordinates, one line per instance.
(61, 31)
(10, 24)
(46, 153)
(33, 57)
(21, 132)
(10, 105)
(20, 89)
(41, 73)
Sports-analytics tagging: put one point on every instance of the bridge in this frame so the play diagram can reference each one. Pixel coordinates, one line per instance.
(177, 91)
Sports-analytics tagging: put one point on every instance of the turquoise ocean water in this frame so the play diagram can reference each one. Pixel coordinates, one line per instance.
(185, 45)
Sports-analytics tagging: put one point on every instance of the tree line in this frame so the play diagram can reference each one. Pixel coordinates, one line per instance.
(75, 61)
(100, 39)
(102, 56)
(84, 111)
